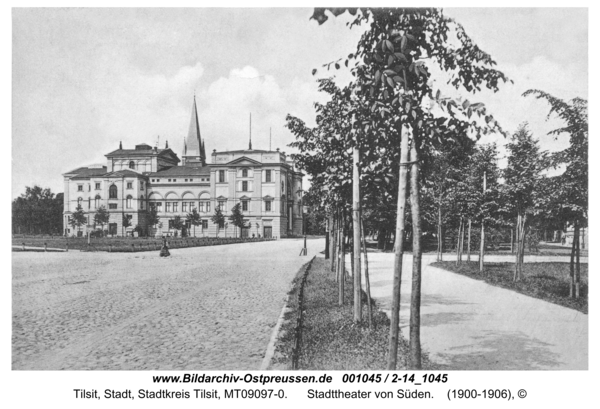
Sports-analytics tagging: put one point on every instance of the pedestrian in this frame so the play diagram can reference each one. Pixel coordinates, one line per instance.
(164, 250)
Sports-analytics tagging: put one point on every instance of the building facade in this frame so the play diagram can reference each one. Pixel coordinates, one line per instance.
(266, 184)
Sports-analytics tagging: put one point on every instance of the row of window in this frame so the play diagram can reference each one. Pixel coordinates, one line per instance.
(112, 189)
(185, 180)
(173, 207)
(268, 175)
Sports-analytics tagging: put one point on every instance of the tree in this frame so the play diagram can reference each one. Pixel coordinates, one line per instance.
(102, 217)
(194, 219)
(522, 178)
(392, 77)
(218, 218)
(176, 223)
(153, 218)
(569, 200)
(126, 222)
(38, 211)
(237, 217)
(78, 218)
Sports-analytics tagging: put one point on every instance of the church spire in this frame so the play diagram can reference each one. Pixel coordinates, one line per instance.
(120, 145)
(250, 141)
(194, 140)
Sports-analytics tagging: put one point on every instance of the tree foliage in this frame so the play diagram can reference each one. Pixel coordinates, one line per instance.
(38, 211)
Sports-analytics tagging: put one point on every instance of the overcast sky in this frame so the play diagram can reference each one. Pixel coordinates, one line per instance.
(85, 79)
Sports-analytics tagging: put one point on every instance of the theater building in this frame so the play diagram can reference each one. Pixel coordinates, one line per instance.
(265, 183)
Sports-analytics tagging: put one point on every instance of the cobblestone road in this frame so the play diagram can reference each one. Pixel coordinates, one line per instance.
(203, 308)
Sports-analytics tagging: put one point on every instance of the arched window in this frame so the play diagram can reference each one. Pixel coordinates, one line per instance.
(97, 202)
(79, 201)
(112, 192)
(128, 202)
(131, 165)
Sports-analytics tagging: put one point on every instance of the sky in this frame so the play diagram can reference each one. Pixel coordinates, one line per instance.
(84, 80)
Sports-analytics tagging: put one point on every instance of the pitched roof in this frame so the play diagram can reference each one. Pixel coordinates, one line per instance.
(124, 173)
(182, 171)
(86, 172)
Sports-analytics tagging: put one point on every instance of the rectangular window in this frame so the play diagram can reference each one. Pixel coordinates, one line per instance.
(268, 206)
(175, 207)
(159, 206)
(244, 173)
(186, 180)
(141, 185)
(80, 188)
(221, 176)
(97, 186)
(153, 181)
(112, 205)
(169, 180)
(129, 185)
(201, 206)
(174, 180)
(205, 224)
(222, 204)
(170, 222)
(268, 176)
(208, 206)
(168, 207)
(184, 207)
(245, 186)
(244, 205)
(191, 180)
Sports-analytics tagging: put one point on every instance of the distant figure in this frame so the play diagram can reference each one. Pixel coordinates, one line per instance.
(164, 250)
(253, 235)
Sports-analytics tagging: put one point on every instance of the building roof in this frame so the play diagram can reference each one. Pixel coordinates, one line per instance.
(182, 171)
(87, 172)
(124, 173)
(246, 150)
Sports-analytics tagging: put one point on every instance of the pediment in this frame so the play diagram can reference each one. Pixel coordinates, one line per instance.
(244, 161)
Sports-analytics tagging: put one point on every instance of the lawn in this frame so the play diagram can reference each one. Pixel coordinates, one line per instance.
(330, 340)
(120, 244)
(546, 281)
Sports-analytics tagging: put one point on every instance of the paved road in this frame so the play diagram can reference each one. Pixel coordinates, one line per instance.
(202, 308)
(468, 324)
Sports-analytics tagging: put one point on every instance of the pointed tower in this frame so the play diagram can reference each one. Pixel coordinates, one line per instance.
(194, 147)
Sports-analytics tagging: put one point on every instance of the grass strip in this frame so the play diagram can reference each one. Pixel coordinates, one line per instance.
(545, 281)
(330, 339)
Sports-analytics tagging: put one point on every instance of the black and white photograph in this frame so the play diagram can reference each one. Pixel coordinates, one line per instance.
(389, 196)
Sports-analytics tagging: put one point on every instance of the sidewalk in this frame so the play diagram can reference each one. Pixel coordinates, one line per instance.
(468, 324)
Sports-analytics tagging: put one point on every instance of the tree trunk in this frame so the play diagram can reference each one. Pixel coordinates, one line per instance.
(415, 298)
(481, 247)
(340, 260)
(482, 243)
(572, 271)
(334, 242)
(577, 265)
(469, 243)
(439, 231)
(328, 227)
(512, 249)
(356, 236)
(367, 281)
(399, 250)
(517, 232)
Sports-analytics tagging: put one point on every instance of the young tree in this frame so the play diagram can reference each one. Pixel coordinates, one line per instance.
(218, 218)
(152, 218)
(522, 178)
(237, 217)
(126, 222)
(78, 218)
(177, 223)
(102, 217)
(194, 219)
(570, 193)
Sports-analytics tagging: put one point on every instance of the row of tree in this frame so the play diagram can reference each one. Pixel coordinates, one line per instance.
(101, 218)
(391, 149)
